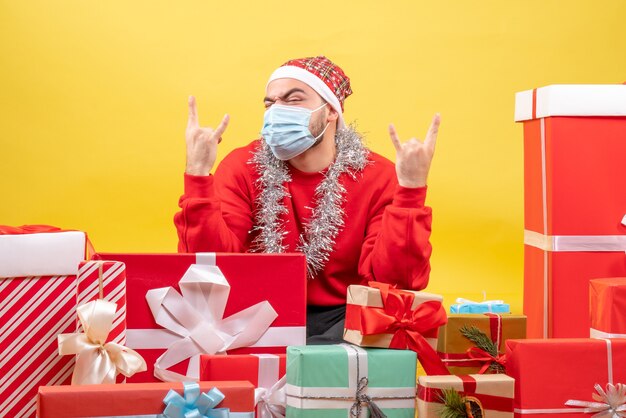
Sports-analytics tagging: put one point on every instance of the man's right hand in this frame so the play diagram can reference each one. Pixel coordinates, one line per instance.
(201, 142)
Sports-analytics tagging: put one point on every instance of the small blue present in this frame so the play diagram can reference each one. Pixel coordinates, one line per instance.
(466, 306)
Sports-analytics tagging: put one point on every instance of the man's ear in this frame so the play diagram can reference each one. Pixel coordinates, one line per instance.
(332, 114)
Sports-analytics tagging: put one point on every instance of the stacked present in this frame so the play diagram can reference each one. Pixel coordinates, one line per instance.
(187, 311)
(182, 335)
(574, 234)
(574, 178)
(67, 322)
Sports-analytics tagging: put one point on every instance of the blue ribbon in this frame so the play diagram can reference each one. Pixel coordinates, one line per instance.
(194, 404)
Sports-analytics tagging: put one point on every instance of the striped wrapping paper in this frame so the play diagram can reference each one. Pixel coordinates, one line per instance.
(104, 280)
(33, 310)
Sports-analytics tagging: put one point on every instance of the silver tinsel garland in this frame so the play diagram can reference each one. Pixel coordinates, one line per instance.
(327, 216)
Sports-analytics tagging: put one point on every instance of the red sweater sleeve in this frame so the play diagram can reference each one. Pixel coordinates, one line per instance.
(397, 249)
(216, 212)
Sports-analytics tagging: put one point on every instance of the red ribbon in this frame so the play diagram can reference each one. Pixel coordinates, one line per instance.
(27, 229)
(489, 402)
(474, 355)
(407, 325)
(486, 359)
(495, 325)
(39, 229)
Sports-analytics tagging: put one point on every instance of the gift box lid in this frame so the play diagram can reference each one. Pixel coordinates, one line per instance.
(41, 254)
(571, 100)
(607, 304)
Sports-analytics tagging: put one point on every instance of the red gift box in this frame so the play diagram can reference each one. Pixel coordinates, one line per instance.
(550, 372)
(607, 307)
(573, 211)
(132, 399)
(33, 310)
(279, 279)
(264, 371)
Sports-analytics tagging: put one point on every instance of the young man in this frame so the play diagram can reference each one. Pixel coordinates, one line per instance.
(310, 185)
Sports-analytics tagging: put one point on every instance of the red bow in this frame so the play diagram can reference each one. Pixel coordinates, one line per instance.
(484, 357)
(27, 229)
(407, 325)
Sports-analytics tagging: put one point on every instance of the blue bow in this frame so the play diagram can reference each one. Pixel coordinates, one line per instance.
(194, 404)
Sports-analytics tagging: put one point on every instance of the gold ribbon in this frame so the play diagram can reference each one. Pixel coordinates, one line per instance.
(100, 279)
(97, 361)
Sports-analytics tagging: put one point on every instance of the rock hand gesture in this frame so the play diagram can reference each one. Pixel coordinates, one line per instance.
(201, 142)
(413, 157)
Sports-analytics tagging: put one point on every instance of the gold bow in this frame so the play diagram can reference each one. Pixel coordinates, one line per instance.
(96, 361)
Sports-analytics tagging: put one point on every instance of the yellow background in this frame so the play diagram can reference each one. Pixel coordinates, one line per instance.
(93, 105)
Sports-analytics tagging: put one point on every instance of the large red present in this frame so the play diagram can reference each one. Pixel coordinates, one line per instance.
(607, 307)
(38, 267)
(549, 373)
(265, 371)
(204, 319)
(146, 400)
(574, 173)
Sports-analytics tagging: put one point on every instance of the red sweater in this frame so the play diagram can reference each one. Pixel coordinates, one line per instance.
(385, 237)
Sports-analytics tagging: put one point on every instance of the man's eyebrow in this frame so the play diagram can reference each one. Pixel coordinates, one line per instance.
(287, 94)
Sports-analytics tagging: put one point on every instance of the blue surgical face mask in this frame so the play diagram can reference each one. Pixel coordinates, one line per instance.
(286, 130)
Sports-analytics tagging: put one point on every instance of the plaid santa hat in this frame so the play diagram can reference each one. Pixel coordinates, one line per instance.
(323, 76)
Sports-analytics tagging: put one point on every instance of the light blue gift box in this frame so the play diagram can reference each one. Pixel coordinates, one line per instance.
(466, 306)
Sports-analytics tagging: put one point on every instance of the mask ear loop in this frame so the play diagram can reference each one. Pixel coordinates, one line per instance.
(320, 135)
(327, 125)
(315, 110)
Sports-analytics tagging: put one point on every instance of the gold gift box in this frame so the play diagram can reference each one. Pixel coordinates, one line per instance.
(452, 342)
(493, 394)
(370, 297)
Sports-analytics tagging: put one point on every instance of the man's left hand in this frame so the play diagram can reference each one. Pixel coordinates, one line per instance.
(413, 157)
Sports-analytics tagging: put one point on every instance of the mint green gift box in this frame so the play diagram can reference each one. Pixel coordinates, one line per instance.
(325, 380)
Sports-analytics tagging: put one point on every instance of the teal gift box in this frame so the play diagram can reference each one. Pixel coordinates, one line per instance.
(341, 381)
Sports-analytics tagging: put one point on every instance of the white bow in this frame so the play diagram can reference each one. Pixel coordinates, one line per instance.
(196, 317)
(463, 301)
(271, 402)
(609, 404)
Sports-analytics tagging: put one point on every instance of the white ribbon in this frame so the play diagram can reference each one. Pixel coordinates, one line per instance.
(344, 397)
(270, 397)
(595, 333)
(96, 361)
(488, 303)
(271, 402)
(575, 243)
(196, 318)
(608, 404)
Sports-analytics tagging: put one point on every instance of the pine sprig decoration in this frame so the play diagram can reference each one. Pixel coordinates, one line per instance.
(457, 406)
(453, 404)
(482, 341)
